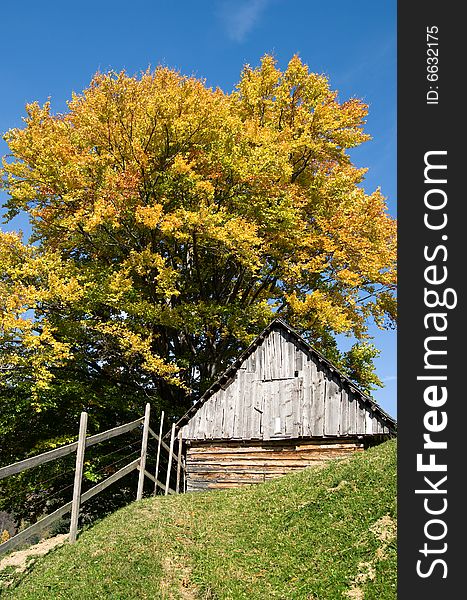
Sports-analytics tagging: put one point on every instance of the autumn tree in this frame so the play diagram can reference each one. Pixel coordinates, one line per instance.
(171, 222)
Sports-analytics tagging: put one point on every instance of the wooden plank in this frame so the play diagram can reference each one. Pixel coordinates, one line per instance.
(179, 462)
(291, 360)
(144, 450)
(158, 456)
(360, 424)
(285, 399)
(171, 454)
(157, 482)
(209, 415)
(273, 446)
(78, 477)
(202, 419)
(229, 411)
(219, 419)
(368, 422)
(352, 417)
(273, 360)
(247, 404)
(239, 429)
(344, 428)
(290, 408)
(306, 403)
(252, 362)
(375, 424)
(259, 363)
(261, 466)
(265, 458)
(332, 409)
(266, 359)
(319, 392)
(268, 406)
(258, 411)
(154, 434)
(111, 433)
(112, 479)
(300, 358)
(258, 459)
(40, 459)
(148, 475)
(235, 408)
(240, 421)
(209, 418)
(22, 536)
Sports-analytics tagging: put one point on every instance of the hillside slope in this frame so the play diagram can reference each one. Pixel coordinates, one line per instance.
(321, 534)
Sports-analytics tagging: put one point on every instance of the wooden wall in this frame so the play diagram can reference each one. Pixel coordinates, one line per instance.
(283, 391)
(220, 465)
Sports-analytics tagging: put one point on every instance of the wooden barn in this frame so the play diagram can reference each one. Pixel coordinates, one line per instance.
(281, 406)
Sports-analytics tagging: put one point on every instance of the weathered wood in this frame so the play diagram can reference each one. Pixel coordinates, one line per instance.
(275, 446)
(148, 475)
(169, 466)
(258, 411)
(344, 420)
(78, 477)
(284, 389)
(282, 466)
(111, 433)
(35, 461)
(45, 457)
(332, 409)
(159, 442)
(179, 462)
(153, 434)
(209, 466)
(144, 450)
(352, 418)
(319, 392)
(78, 498)
(152, 478)
(265, 457)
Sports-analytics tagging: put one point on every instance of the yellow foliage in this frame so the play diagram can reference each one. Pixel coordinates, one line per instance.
(162, 206)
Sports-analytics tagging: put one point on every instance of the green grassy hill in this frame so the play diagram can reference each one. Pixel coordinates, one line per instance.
(320, 534)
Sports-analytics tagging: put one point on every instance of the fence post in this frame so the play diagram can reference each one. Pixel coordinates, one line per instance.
(169, 466)
(179, 460)
(78, 476)
(144, 449)
(158, 453)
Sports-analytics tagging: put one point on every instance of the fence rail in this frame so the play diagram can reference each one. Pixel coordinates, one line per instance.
(79, 447)
(45, 457)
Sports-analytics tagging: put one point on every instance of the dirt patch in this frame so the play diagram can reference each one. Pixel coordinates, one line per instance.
(176, 582)
(385, 530)
(355, 593)
(22, 559)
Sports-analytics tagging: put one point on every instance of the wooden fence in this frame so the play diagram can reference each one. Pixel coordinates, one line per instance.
(175, 462)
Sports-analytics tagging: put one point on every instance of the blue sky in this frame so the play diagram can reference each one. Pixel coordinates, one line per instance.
(50, 49)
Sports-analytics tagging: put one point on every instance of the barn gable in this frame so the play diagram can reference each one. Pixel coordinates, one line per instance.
(280, 388)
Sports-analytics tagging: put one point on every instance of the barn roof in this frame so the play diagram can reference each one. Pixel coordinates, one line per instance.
(280, 324)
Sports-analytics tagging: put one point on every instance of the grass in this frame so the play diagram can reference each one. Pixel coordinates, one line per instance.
(320, 534)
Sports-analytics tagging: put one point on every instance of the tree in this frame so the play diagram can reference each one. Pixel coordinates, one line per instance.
(171, 222)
